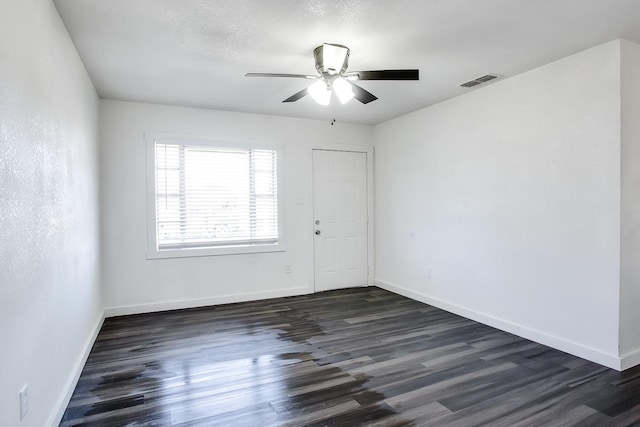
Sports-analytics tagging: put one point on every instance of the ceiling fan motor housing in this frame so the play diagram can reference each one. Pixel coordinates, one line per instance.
(332, 59)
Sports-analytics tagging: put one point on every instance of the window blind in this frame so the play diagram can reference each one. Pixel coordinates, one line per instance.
(215, 196)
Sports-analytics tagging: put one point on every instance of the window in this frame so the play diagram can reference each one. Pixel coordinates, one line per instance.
(211, 199)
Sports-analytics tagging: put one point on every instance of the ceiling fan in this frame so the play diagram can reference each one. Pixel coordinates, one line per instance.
(332, 61)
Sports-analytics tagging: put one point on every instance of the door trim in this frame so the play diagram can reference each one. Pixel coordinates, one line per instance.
(370, 152)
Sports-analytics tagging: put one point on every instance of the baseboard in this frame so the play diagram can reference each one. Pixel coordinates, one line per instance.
(202, 302)
(70, 386)
(629, 360)
(582, 351)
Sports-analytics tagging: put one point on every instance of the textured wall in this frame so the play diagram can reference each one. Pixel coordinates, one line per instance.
(49, 274)
(630, 215)
(129, 279)
(511, 195)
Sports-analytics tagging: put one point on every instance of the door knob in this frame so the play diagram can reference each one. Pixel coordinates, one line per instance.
(318, 232)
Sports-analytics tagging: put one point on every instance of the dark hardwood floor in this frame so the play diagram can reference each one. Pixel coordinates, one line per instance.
(341, 358)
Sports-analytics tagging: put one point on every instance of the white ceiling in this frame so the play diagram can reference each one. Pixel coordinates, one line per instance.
(196, 52)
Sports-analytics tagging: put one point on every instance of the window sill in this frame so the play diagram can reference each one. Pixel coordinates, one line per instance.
(153, 253)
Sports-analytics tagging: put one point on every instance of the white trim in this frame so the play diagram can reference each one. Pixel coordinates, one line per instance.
(343, 147)
(370, 220)
(576, 349)
(203, 302)
(180, 138)
(310, 219)
(629, 360)
(371, 193)
(153, 252)
(70, 386)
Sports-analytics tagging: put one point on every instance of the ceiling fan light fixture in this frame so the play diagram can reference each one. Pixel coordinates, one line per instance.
(343, 90)
(320, 92)
(332, 61)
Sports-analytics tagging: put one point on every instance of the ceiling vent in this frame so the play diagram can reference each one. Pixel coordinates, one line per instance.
(480, 80)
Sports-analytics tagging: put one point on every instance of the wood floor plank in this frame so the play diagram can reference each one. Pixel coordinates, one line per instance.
(349, 357)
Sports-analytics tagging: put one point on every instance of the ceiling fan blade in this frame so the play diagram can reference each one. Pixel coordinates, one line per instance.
(385, 75)
(362, 95)
(299, 76)
(296, 96)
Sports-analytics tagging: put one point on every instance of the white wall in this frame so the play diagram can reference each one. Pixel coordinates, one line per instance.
(49, 275)
(511, 195)
(133, 283)
(630, 214)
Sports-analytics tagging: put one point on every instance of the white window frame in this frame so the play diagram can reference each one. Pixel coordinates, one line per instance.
(152, 248)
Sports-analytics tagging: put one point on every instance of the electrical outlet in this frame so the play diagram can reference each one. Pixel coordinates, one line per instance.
(24, 402)
(428, 273)
(287, 268)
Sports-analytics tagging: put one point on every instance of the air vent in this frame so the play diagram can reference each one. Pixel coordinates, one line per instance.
(480, 80)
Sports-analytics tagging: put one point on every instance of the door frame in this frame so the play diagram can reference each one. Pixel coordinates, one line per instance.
(370, 152)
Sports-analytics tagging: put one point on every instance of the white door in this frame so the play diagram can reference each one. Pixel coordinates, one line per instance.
(340, 219)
